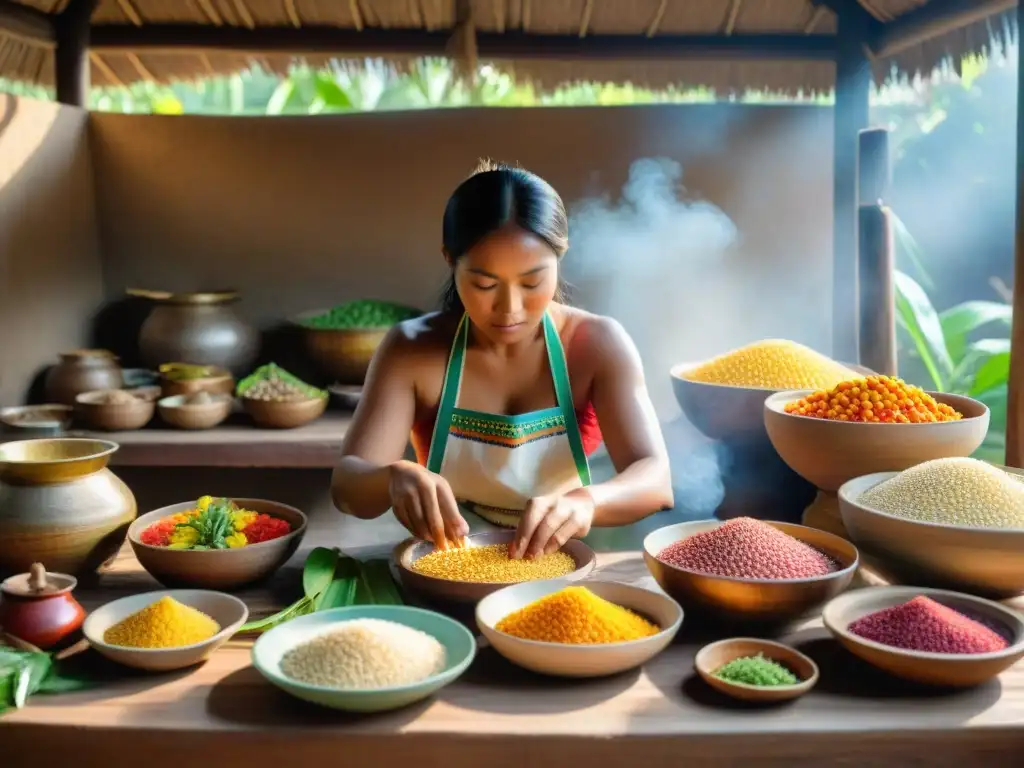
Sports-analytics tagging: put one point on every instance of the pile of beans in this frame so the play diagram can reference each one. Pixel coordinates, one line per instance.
(881, 399)
(362, 314)
(923, 624)
(272, 383)
(771, 364)
(745, 548)
(952, 491)
(491, 564)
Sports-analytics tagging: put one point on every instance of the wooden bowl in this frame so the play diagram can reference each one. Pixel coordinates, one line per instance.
(570, 660)
(228, 611)
(285, 414)
(750, 600)
(28, 421)
(940, 669)
(178, 413)
(988, 561)
(713, 657)
(343, 354)
(224, 569)
(828, 453)
(222, 383)
(448, 591)
(113, 417)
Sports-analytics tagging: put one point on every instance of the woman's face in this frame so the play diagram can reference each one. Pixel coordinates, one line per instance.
(506, 282)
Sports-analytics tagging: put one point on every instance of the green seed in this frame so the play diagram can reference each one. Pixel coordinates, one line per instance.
(756, 670)
(363, 313)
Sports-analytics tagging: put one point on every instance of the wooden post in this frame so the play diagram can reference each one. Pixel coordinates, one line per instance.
(876, 255)
(71, 58)
(1015, 402)
(850, 116)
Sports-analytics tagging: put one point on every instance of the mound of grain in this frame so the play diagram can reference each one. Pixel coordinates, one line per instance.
(365, 653)
(771, 364)
(955, 491)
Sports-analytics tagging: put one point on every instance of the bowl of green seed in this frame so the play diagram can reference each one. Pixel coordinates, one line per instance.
(277, 399)
(751, 669)
(342, 340)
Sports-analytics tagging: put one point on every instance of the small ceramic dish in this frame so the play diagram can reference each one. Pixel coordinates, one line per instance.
(285, 414)
(228, 611)
(98, 412)
(179, 412)
(450, 591)
(217, 568)
(347, 395)
(218, 381)
(35, 420)
(713, 657)
(571, 660)
(270, 648)
(940, 669)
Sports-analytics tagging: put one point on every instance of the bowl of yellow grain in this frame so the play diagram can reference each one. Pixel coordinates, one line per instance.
(468, 573)
(164, 630)
(578, 628)
(954, 522)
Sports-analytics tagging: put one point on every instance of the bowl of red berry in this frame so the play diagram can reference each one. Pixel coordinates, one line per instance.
(216, 542)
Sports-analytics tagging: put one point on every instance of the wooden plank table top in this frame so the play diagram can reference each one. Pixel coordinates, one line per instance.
(236, 443)
(224, 714)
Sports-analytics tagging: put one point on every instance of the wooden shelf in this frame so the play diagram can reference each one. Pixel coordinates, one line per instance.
(236, 443)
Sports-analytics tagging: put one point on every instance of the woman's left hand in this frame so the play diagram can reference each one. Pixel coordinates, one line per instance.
(550, 521)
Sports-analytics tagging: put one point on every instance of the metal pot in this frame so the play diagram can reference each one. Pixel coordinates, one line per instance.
(60, 505)
(197, 328)
(83, 370)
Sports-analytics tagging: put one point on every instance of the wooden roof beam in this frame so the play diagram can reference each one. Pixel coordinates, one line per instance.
(412, 42)
(27, 24)
(929, 21)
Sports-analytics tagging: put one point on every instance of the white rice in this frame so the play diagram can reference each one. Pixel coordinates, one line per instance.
(365, 653)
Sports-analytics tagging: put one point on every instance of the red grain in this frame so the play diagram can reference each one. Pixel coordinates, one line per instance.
(925, 625)
(746, 548)
(158, 534)
(265, 528)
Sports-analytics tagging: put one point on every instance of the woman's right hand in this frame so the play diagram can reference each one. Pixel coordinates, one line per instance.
(424, 503)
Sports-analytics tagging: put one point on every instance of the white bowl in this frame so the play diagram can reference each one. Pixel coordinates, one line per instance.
(570, 660)
(228, 611)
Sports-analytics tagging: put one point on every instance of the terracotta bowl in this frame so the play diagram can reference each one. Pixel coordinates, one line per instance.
(114, 417)
(828, 453)
(224, 569)
(284, 414)
(986, 561)
(222, 383)
(750, 600)
(940, 669)
(343, 354)
(176, 412)
(447, 591)
(713, 657)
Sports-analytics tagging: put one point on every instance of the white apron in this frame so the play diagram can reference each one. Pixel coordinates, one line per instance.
(495, 464)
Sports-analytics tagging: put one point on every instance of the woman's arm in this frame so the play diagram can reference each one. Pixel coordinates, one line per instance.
(630, 429)
(379, 432)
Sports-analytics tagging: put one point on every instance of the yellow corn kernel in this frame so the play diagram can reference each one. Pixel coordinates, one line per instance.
(578, 616)
(491, 564)
(771, 364)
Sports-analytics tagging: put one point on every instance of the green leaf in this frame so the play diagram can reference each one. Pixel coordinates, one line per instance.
(919, 318)
(340, 594)
(907, 245)
(318, 572)
(994, 372)
(282, 96)
(381, 585)
(960, 321)
(299, 608)
(331, 94)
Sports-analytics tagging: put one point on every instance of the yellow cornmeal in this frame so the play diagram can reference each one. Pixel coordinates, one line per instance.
(771, 364)
(165, 623)
(576, 615)
(491, 564)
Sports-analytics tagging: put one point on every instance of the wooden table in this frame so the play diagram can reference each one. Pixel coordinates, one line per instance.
(223, 714)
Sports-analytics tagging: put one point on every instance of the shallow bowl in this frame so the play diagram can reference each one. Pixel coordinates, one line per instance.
(828, 453)
(114, 417)
(221, 382)
(570, 660)
(750, 600)
(449, 591)
(228, 611)
(940, 669)
(178, 413)
(284, 414)
(712, 657)
(28, 421)
(224, 569)
(719, 411)
(987, 561)
(459, 644)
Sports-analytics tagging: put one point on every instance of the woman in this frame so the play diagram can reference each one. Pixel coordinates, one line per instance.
(505, 391)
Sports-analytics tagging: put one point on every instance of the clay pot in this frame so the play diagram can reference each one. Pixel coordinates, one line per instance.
(60, 505)
(197, 328)
(83, 370)
(38, 607)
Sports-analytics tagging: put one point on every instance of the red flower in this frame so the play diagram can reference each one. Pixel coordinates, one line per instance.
(158, 534)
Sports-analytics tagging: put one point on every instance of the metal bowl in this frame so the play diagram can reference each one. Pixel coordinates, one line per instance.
(987, 561)
(828, 453)
(750, 600)
(449, 591)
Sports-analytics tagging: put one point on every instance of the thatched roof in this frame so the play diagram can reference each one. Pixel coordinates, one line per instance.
(143, 39)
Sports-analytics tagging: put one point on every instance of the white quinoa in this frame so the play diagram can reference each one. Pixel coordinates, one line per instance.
(365, 653)
(954, 491)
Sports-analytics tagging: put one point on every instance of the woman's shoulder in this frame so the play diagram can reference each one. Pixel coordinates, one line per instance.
(423, 338)
(592, 335)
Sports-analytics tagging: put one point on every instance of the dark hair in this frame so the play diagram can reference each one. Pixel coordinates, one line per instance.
(495, 196)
